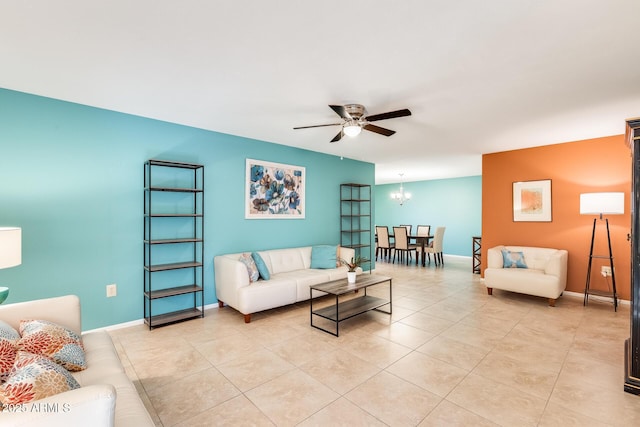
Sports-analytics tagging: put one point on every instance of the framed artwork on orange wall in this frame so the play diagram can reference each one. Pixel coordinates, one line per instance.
(532, 201)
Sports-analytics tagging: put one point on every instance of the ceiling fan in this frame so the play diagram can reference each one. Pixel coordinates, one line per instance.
(355, 121)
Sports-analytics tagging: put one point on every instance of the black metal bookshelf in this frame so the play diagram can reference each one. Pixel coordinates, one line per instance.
(173, 240)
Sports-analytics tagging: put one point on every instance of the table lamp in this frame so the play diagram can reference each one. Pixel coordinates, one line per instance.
(10, 252)
(601, 204)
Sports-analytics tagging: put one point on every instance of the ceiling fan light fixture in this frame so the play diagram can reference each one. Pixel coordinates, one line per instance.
(352, 128)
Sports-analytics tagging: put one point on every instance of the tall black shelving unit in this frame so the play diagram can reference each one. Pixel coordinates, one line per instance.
(173, 242)
(355, 218)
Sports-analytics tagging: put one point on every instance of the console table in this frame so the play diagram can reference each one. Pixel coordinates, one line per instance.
(347, 309)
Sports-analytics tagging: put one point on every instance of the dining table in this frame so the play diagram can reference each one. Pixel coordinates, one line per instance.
(421, 240)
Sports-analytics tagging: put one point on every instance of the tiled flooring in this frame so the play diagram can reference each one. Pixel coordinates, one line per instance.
(450, 355)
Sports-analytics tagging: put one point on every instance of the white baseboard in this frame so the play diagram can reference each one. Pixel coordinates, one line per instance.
(135, 322)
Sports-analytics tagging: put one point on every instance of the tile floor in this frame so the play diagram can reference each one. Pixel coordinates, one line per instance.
(449, 355)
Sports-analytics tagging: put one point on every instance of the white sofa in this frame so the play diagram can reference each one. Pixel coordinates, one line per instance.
(291, 275)
(106, 397)
(545, 274)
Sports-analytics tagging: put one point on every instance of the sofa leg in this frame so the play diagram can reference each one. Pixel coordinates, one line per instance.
(490, 291)
(247, 318)
(220, 304)
(552, 302)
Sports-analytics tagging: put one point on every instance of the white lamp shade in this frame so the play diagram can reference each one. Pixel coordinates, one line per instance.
(602, 203)
(352, 130)
(10, 246)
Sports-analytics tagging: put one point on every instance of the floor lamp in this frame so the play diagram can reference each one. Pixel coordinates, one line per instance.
(601, 204)
(10, 252)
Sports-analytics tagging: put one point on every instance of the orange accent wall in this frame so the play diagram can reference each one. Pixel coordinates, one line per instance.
(594, 165)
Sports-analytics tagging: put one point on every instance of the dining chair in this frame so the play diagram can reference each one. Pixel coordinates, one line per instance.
(384, 244)
(408, 227)
(423, 230)
(435, 247)
(402, 244)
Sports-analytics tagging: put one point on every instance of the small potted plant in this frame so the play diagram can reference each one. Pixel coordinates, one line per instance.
(352, 266)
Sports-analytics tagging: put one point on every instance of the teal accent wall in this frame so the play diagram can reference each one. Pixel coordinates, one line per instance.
(72, 177)
(455, 203)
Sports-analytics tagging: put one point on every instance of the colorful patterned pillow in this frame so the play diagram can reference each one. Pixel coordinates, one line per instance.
(513, 259)
(60, 344)
(252, 269)
(8, 351)
(34, 377)
(7, 331)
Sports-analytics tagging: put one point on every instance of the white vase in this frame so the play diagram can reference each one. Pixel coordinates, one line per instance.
(351, 277)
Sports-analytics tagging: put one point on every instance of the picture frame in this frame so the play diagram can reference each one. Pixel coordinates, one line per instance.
(274, 190)
(532, 201)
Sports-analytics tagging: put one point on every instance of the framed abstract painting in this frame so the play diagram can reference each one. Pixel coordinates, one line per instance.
(532, 201)
(274, 190)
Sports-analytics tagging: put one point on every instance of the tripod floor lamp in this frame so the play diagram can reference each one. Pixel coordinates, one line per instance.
(601, 204)
(10, 252)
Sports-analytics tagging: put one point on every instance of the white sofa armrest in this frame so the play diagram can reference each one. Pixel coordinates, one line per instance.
(347, 253)
(557, 264)
(93, 404)
(231, 275)
(63, 310)
(494, 257)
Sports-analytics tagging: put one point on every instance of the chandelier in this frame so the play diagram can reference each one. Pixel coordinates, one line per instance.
(401, 196)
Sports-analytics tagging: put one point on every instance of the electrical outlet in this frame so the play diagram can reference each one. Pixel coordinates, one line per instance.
(605, 271)
(112, 290)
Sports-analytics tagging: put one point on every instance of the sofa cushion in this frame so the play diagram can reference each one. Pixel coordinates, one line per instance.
(513, 259)
(262, 267)
(60, 344)
(102, 359)
(35, 377)
(266, 294)
(324, 256)
(284, 260)
(252, 268)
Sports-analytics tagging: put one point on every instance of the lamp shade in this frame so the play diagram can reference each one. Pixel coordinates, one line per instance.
(352, 129)
(10, 246)
(602, 203)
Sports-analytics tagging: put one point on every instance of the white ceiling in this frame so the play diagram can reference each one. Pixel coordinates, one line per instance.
(479, 76)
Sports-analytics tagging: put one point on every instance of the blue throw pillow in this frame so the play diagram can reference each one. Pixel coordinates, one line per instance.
(513, 259)
(323, 256)
(262, 267)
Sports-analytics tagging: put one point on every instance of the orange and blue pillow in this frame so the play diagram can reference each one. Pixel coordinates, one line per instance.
(60, 344)
(34, 377)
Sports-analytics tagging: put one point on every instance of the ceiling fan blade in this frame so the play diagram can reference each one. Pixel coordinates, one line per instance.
(341, 111)
(389, 115)
(378, 129)
(317, 126)
(338, 137)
